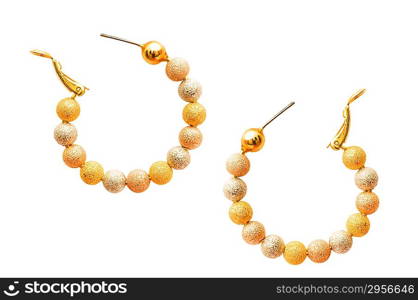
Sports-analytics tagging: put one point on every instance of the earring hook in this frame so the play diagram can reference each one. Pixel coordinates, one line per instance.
(120, 39)
(278, 114)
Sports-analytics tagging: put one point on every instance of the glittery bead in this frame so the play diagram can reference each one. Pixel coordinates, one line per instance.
(354, 157)
(114, 181)
(272, 246)
(358, 224)
(68, 109)
(91, 172)
(190, 90)
(366, 179)
(194, 114)
(138, 181)
(177, 69)
(319, 251)
(294, 253)
(178, 158)
(160, 172)
(367, 202)
(190, 137)
(240, 212)
(253, 232)
(340, 241)
(238, 164)
(74, 156)
(235, 189)
(65, 134)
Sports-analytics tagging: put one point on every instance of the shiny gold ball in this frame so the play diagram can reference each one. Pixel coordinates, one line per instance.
(366, 179)
(194, 114)
(91, 172)
(354, 157)
(190, 137)
(177, 69)
(235, 189)
(358, 225)
(65, 134)
(340, 241)
(160, 172)
(190, 90)
(68, 109)
(114, 181)
(238, 164)
(154, 52)
(137, 181)
(294, 253)
(272, 246)
(252, 140)
(74, 156)
(178, 158)
(253, 232)
(240, 212)
(367, 202)
(319, 251)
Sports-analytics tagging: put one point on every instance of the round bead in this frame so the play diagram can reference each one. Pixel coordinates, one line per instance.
(91, 172)
(160, 172)
(319, 251)
(194, 114)
(272, 246)
(238, 164)
(114, 181)
(74, 156)
(358, 225)
(354, 157)
(137, 181)
(190, 137)
(177, 69)
(294, 253)
(252, 140)
(235, 189)
(65, 134)
(154, 52)
(366, 179)
(178, 158)
(68, 109)
(240, 212)
(190, 90)
(340, 241)
(253, 232)
(367, 202)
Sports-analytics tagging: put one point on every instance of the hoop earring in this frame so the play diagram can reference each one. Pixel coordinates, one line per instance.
(160, 172)
(294, 252)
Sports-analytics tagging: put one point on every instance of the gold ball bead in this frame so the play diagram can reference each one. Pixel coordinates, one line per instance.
(252, 140)
(194, 114)
(354, 157)
(65, 134)
(253, 232)
(240, 212)
(235, 189)
(68, 109)
(238, 164)
(154, 52)
(178, 158)
(74, 156)
(114, 181)
(138, 181)
(319, 251)
(177, 69)
(366, 179)
(91, 172)
(340, 241)
(358, 225)
(190, 137)
(160, 172)
(367, 202)
(190, 90)
(272, 246)
(294, 253)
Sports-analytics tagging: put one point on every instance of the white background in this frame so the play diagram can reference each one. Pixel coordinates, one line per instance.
(252, 58)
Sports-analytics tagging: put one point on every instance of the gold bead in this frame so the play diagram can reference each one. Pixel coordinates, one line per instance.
(240, 212)
(65, 134)
(367, 202)
(366, 179)
(340, 241)
(138, 181)
(238, 164)
(190, 137)
(177, 69)
(190, 90)
(235, 189)
(68, 109)
(74, 156)
(253, 232)
(178, 158)
(114, 181)
(294, 253)
(319, 251)
(272, 246)
(160, 172)
(252, 140)
(154, 52)
(91, 172)
(358, 224)
(354, 157)
(194, 114)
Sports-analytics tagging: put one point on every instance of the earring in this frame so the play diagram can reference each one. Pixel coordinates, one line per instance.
(318, 251)
(160, 172)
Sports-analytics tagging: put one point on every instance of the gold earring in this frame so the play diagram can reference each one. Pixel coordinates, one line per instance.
(190, 137)
(295, 252)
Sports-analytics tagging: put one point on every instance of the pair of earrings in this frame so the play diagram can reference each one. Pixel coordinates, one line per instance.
(238, 165)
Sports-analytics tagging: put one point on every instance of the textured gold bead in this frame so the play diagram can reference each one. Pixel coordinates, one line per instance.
(190, 90)
(319, 251)
(177, 69)
(340, 241)
(294, 253)
(354, 157)
(253, 232)
(358, 224)
(137, 181)
(194, 114)
(74, 156)
(114, 181)
(240, 212)
(366, 179)
(272, 246)
(252, 140)
(190, 137)
(238, 164)
(68, 109)
(367, 202)
(65, 134)
(235, 189)
(178, 158)
(160, 172)
(91, 172)
(154, 52)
